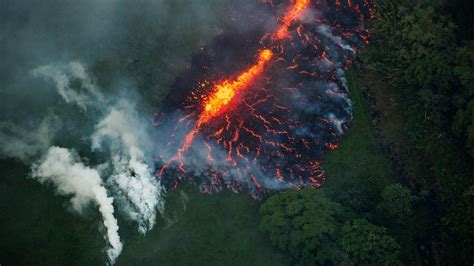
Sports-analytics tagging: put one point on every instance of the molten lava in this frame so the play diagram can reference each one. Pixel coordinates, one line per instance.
(222, 95)
(290, 17)
(267, 127)
(227, 90)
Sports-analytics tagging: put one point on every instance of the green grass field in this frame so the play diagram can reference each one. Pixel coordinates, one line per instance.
(358, 158)
(358, 167)
(201, 229)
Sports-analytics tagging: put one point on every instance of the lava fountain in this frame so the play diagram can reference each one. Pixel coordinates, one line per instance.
(266, 126)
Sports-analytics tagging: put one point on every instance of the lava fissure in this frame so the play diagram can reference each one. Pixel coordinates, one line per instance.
(267, 128)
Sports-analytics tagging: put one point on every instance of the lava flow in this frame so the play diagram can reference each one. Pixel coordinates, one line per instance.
(225, 92)
(290, 17)
(220, 99)
(265, 128)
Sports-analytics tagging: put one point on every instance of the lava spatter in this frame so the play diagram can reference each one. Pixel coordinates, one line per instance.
(225, 92)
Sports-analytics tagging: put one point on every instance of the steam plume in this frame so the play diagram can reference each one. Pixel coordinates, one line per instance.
(137, 188)
(123, 133)
(72, 178)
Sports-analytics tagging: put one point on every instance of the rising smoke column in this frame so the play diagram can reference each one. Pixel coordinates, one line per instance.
(264, 130)
(120, 133)
(72, 178)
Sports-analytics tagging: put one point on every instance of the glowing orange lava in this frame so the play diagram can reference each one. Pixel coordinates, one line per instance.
(226, 91)
(220, 98)
(290, 17)
(267, 126)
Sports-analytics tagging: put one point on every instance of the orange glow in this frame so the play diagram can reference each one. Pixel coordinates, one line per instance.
(290, 16)
(226, 91)
(246, 127)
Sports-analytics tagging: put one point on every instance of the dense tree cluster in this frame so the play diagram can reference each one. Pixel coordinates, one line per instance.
(397, 204)
(318, 231)
(429, 64)
(305, 223)
(368, 244)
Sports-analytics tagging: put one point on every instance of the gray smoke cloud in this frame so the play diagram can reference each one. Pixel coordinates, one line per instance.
(27, 143)
(124, 135)
(62, 75)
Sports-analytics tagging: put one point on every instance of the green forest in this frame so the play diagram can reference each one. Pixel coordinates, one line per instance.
(400, 189)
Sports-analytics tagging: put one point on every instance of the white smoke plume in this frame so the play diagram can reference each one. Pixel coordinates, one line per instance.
(138, 190)
(122, 133)
(72, 178)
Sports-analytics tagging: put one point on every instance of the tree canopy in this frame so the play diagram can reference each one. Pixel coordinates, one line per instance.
(397, 203)
(315, 231)
(368, 244)
(304, 223)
